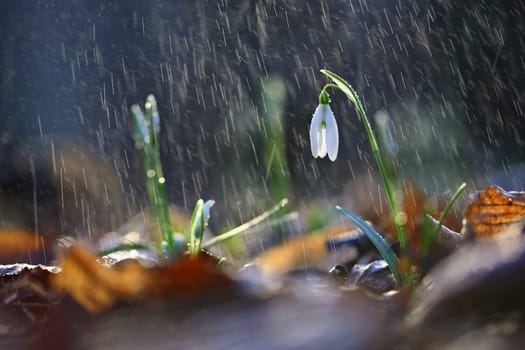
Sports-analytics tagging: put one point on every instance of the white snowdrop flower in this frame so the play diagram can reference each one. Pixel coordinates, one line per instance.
(324, 136)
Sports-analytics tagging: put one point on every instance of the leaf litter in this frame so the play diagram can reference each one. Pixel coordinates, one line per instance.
(32, 293)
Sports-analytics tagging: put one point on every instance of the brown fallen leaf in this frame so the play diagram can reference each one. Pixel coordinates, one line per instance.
(495, 214)
(98, 287)
(302, 252)
(25, 297)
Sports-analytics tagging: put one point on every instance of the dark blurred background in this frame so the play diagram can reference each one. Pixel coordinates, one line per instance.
(237, 83)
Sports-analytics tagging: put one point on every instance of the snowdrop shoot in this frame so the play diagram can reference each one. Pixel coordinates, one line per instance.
(324, 128)
(199, 221)
(324, 135)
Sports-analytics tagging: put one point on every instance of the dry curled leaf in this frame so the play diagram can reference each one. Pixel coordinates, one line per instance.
(98, 287)
(495, 214)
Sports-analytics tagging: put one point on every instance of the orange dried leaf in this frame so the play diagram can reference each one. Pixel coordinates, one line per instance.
(305, 251)
(495, 213)
(94, 286)
(98, 287)
(297, 252)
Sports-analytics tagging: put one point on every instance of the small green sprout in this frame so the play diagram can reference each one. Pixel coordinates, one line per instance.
(199, 221)
(221, 262)
(147, 127)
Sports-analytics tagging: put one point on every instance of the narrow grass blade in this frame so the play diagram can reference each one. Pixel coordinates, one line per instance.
(377, 240)
(281, 221)
(443, 216)
(246, 226)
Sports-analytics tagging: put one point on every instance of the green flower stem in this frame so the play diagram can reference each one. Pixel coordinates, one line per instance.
(326, 87)
(350, 93)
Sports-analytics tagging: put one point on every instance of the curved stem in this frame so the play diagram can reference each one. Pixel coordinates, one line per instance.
(344, 87)
(329, 85)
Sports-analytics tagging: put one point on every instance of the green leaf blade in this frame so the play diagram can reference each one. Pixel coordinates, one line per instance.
(377, 240)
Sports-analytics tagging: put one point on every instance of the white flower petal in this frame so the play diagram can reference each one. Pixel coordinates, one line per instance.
(322, 149)
(332, 134)
(315, 131)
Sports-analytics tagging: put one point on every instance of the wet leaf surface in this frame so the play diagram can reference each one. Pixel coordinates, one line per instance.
(301, 252)
(189, 304)
(495, 213)
(98, 287)
(473, 299)
(477, 276)
(375, 277)
(300, 318)
(27, 301)
(133, 300)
